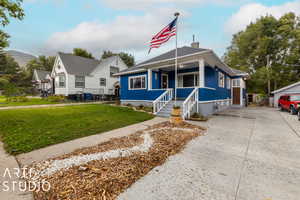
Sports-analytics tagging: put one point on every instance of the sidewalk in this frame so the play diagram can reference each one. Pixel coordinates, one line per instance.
(49, 105)
(9, 164)
(68, 147)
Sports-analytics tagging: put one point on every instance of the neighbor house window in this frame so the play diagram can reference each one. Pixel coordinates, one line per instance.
(79, 81)
(236, 83)
(228, 84)
(137, 82)
(188, 80)
(113, 70)
(61, 81)
(102, 81)
(221, 79)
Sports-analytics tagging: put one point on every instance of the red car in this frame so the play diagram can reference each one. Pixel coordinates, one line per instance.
(290, 102)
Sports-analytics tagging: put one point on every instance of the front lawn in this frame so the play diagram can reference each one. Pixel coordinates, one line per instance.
(31, 101)
(24, 130)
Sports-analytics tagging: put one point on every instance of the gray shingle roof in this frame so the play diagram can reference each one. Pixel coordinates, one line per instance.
(42, 75)
(183, 51)
(78, 65)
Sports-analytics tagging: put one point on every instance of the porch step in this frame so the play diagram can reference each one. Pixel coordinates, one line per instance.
(166, 111)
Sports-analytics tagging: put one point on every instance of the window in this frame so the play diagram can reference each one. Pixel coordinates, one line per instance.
(137, 82)
(79, 81)
(188, 80)
(62, 81)
(113, 70)
(102, 81)
(236, 83)
(221, 79)
(228, 84)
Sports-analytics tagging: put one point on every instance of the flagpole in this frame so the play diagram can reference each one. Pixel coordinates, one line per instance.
(176, 62)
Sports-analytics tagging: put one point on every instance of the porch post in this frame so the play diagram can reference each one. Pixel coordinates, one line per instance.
(201, 73)
(149, 79)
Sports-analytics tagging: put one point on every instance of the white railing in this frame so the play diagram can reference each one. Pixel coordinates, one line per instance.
(162, 100)
(189, 103)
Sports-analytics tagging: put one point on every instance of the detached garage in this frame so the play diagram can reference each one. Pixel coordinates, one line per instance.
(290, 89)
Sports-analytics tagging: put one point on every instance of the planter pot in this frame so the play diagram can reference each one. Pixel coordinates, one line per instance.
(176, 116)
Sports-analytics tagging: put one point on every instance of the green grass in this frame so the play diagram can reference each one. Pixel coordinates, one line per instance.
(32, 101)
(24, 130)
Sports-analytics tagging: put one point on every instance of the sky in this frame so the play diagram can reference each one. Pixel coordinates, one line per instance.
(50, 26)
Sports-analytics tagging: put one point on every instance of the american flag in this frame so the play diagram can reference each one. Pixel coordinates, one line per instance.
(164, 35)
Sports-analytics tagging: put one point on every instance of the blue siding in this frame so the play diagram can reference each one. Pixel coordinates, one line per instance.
(184, 92)
(145, 94)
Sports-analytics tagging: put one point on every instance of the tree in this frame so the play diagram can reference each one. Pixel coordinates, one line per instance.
(82, 52)
(268, 37)
(41, 63)
(128, 59)
(9, 9)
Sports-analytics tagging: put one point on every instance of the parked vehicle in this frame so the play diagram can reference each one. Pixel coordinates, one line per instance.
(289, 102)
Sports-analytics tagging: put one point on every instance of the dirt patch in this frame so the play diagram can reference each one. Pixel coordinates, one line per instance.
(106, 179)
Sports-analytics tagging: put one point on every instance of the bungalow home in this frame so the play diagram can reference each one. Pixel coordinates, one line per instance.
(42, 81)
(78, 75)
(204, 83)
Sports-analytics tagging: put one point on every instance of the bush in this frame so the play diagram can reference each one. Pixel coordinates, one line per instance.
(58, 99)
(129, 105)
(176, 107)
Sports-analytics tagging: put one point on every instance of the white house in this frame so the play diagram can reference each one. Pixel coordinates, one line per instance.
(76, 75)
(42, 81)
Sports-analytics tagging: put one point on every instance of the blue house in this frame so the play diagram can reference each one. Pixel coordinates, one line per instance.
(204, 83)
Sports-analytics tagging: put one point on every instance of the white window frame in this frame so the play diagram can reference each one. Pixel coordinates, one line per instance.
(100, 83)
(236, 82)
(221, 79)
(76, 81)
(135, 77)
(59, 81)
(196, 82)
(228, 82)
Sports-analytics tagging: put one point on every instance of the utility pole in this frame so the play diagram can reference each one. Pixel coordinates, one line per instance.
(269, 75)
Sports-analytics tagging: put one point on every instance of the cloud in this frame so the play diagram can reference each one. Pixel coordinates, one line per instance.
(146, 4)
(124, 33)
(251, 12)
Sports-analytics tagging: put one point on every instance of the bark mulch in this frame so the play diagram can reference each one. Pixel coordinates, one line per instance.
(106, 179)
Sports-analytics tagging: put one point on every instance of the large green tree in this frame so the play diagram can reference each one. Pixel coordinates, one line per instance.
(82, 52)
(269, 50)
(8, 9)
(128, 59)
(41, 63)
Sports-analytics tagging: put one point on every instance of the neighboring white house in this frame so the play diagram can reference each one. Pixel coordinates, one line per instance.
(42, 80)
(76, 75)
(290, 89)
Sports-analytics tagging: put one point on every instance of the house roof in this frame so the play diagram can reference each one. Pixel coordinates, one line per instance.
(78, 65)
(286, 87)
(41, 74)
(181, 52)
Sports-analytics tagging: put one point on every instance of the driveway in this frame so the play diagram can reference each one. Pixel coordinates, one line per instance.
(246, 154)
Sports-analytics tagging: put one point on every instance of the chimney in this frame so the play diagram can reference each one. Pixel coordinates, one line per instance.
(195, 44)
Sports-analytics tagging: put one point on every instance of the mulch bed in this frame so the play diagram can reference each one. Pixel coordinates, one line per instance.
(106, 179)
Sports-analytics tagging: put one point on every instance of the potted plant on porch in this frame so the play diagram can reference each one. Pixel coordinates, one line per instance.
(176, 115)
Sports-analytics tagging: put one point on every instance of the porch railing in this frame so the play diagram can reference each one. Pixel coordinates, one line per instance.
(162, 100)
(189, 103)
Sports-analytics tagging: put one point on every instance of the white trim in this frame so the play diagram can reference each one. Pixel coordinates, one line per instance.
(161, 80)
(201, 72)
(188, 73)
(130, 72)
(221, 84)
(137, 100)
(149, 72)
(210, 88)
(138, 76)
(213, 101)
(286, 87)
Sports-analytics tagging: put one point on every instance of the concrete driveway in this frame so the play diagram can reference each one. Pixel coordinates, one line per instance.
(246, 154)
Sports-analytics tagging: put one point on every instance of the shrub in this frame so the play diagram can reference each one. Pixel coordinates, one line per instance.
(176, 107)
(59, 98)
(129, 105)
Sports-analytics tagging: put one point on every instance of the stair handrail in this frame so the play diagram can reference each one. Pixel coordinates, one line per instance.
(161, 101)
(189, 103)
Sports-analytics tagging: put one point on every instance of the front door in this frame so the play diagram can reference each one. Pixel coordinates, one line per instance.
(236, 96)
(164, 81)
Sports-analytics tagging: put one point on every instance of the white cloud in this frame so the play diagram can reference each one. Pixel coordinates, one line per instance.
(146, 4)
(124, 33)
(250, 12)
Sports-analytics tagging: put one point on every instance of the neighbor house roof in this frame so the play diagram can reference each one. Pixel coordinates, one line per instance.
(286, 87)
(78, 65)
(41, 74)
(182, 52)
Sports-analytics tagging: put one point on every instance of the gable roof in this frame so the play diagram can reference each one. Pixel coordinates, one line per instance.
(78, 65)
(286, 87)
(182, 52)
(41, 74)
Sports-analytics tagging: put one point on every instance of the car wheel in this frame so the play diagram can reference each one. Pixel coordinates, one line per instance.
(281, 108)
(298, 116)
(293, 111)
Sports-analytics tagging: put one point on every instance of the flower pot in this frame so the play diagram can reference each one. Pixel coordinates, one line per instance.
(176, 116)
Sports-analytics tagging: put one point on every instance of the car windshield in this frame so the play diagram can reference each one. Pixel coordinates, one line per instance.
(295, 98)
